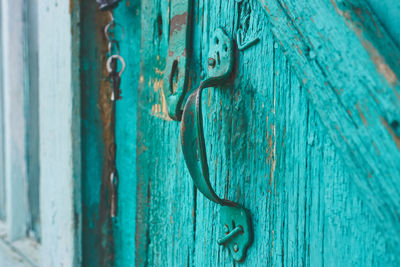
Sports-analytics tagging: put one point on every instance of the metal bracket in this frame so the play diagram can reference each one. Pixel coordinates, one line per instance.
(238, 231)
(176, 77)
(234, 218)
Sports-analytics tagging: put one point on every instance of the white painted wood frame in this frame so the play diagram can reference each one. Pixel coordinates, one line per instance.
(14, 84)
(59, 110)
(2, 179)
(59, 127)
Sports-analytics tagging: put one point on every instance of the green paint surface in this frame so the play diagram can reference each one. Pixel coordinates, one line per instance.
(124, 229)
(267, 146)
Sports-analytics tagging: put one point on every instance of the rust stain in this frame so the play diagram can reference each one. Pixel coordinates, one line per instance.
(103, 226)
(267, 9)
(160, 110)
(177, 22)
(380, 63)
(396, 138)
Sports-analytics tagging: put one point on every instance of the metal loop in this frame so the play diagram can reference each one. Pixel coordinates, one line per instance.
(110, 43)
(109, 69)
(110, 13)
(108, 33)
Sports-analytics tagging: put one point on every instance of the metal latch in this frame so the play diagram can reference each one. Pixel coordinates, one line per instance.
(235, 220)
(179, 50)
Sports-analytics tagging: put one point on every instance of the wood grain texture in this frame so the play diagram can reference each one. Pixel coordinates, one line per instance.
(349, 67)
(267, 149)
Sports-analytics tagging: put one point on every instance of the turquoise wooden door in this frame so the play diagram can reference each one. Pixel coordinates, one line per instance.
(301, 135)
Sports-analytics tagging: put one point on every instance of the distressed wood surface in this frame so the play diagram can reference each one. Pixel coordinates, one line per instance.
(97, 234)
(60, 159)
(267, 148)
(108, 242)
(14, 97)
(126, 131)
(350, 67)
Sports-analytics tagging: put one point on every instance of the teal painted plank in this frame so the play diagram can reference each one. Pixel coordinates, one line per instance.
(349, 67)
(97, 239)
(388, 13)
(108, 242)
(128, 13)
(270, 153)
(165, 205)
(268, 150)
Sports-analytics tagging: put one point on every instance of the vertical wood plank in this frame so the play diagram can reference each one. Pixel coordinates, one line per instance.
(97, 229)
(59, 98)
(129, 14)
(32, 118)
(14, 81)
(2, 174)
(165, 220)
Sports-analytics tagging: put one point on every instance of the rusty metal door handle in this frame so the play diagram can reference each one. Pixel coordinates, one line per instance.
(234, 218)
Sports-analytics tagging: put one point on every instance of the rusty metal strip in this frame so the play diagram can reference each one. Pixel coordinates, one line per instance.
(179, 49)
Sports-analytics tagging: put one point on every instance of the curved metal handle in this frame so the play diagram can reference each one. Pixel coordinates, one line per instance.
(194, 149)
(234, 218)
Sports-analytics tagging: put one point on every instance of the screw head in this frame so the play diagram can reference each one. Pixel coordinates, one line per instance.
(226, 229)
(236, 247)
(211, 62)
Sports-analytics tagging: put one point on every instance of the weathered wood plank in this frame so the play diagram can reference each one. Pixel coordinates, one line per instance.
(388, 13)
(97, 238)
(2, 174)
(14, 86)
(270, 152)
(165, 219)
(59, 98)
(350, 68)
(267, 149)
(129, 13)
(32, 118)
